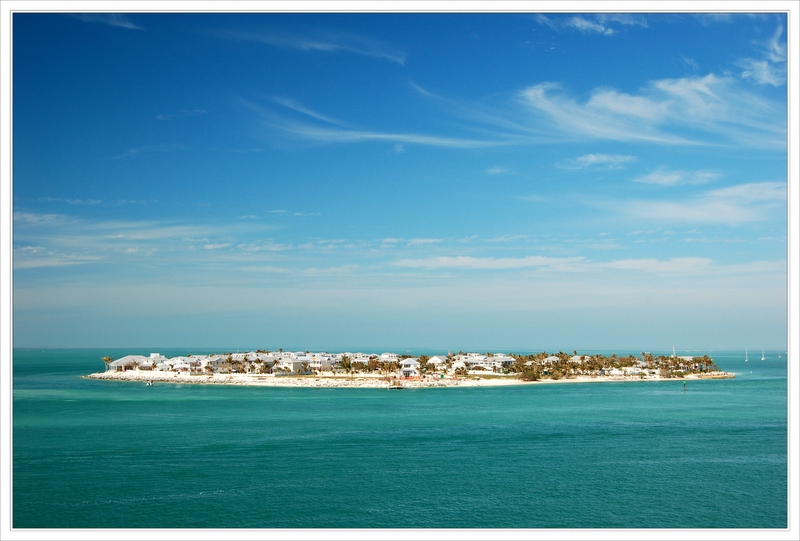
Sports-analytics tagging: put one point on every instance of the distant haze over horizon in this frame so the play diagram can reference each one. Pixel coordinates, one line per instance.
(475, 179)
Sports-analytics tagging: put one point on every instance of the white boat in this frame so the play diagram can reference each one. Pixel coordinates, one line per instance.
(745, 355)
(762, 354)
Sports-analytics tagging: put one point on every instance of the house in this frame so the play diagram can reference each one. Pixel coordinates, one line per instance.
(409, 368)
(320, 362)
(438, 362)
(290, 365)
(458, 365)
(216, 362)
(503, 359)
(189, 364)
(128, 362)
(550, 359)
(157, 358)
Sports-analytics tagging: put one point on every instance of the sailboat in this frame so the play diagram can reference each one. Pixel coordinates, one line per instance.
(762, 354)
(745, 355)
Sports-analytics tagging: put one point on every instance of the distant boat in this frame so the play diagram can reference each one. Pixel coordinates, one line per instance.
(762, 354)
(745, 355)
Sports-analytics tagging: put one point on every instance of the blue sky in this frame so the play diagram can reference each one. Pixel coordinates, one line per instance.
(457, 181)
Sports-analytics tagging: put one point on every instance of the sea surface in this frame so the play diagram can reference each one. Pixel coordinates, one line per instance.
(111, 454)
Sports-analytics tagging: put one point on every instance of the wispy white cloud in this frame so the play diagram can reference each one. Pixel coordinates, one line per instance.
(111, 19)
(626, 19)
(268, 246)
(691, 62)
(695, 110)
(731, 205)
(133, 152)
(585, 25)
(38, 219)
(666, 177)
(770, 68)
(64, 240)
(496, 170)
(600, 161)
(709, 110)
(351, 136)
(707, 19)
(469, 262)
(675, 265)
(507, 238)
(419, 241)
(293, 105)
(51, 260)
(72, 201)
(330, 43)
(591, 24)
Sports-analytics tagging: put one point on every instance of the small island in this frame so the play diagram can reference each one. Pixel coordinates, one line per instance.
(390, 370)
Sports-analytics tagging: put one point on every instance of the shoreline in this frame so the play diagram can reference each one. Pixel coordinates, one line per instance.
(365, 381)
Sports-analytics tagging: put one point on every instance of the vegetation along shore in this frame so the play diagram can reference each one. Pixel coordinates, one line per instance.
(307, 369)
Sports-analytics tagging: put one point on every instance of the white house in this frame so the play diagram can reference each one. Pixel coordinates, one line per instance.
(188, 364)
(128, 362)
(214, 361)
(458, 364)
(320, 362)
(438, 362)
(503, 359)
(409, 368)
(290, 365)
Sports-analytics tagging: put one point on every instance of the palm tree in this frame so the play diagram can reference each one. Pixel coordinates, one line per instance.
(346, 365)
(108, 361)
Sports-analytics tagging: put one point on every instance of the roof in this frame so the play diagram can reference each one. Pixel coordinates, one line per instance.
(130, 359)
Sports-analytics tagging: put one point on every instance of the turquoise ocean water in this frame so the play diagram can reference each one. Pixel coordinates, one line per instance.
(104, 454)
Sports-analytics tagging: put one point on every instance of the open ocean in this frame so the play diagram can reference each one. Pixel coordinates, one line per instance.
(107, 454)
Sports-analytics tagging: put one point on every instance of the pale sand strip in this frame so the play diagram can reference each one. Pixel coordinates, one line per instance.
(361, 380)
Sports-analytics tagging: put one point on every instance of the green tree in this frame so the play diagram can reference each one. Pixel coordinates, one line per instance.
(346, 364)
(423, 363)
(389, 367)
(530, 373)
